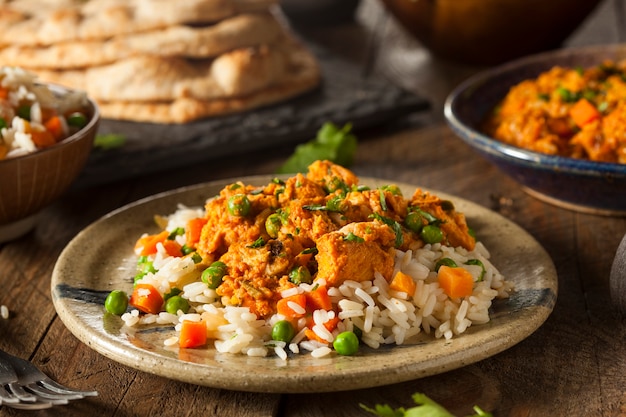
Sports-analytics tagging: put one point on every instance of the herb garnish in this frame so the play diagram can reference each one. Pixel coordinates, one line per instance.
(331, 143)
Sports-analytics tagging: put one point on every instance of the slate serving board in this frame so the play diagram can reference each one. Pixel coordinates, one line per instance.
(346, 95)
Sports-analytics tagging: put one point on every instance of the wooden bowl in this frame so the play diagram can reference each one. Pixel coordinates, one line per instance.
(32, 181)
(488, 32)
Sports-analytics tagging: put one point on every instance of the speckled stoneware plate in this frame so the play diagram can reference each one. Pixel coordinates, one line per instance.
(100, 259)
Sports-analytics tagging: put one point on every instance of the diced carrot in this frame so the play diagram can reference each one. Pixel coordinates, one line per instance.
(583, 112)
(4, 150)
(331, 324)
(318, 299)
(403, 283)
(4, 93)
(193, 231)
(173, 248)
(456, 282)
(283, 306)
(42, 138)
(147, 245)
(55, 127)
(192, 334)
(146, 298)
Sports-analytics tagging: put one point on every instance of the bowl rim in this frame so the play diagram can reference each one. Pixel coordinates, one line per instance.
(93, 121)
(495, 147)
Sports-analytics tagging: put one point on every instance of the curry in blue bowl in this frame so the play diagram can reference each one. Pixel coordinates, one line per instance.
(553, 122)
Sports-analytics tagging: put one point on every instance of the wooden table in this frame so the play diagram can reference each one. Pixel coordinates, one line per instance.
(575, 364)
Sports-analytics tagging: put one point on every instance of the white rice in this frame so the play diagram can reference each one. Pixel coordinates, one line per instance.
(4, 312)
(22, 88)
(383, 315)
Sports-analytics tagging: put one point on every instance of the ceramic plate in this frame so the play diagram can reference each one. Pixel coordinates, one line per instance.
(100, 259)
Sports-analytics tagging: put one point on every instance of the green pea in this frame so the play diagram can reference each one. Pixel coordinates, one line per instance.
(239, 205)
(431, 234)
(3, 123)
(174, 291)
(445, 261)
(213, 275)
(283, 331)
(144, 266)
(346, 343)
(414, 221)
(175, 303)
(23, 111)
(195, 256)
(76, 119)
(186, 250)
(273, 224)
(116, 302)
(299, 275)
(147, 267)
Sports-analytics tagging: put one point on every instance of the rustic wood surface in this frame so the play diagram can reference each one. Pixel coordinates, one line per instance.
(573, 365)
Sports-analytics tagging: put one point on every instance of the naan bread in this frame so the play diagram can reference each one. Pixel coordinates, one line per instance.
(303, 76)
(251, 29)
(154, 78)
(160, 61)
(22, 22)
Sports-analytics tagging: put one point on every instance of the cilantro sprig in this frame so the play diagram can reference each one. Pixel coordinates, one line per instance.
(425, 407)
(332, 143)
(106, 141)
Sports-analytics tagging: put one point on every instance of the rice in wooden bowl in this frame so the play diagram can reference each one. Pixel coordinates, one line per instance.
(46, 135)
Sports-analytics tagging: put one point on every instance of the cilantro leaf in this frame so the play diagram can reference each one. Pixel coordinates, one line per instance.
(109, 141)
(385, 411)
(331, 143)
(425, 407)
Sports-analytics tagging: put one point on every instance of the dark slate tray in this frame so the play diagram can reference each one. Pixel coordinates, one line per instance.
(346, 95)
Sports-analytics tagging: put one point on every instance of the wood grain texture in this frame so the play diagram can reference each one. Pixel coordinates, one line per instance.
(573, 365)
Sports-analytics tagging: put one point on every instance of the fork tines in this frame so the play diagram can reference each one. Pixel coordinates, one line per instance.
(24, 386)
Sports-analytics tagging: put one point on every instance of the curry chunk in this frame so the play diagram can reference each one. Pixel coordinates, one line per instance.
(355, 253)
(452, 223)
(331, 176)
(324, 222)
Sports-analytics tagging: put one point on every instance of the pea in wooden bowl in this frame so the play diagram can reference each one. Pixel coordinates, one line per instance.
(30, 182)
(576, 184)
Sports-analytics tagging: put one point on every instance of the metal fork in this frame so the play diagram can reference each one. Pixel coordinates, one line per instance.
(24, 386)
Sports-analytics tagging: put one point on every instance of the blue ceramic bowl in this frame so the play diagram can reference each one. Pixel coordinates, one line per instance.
(581, 185)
